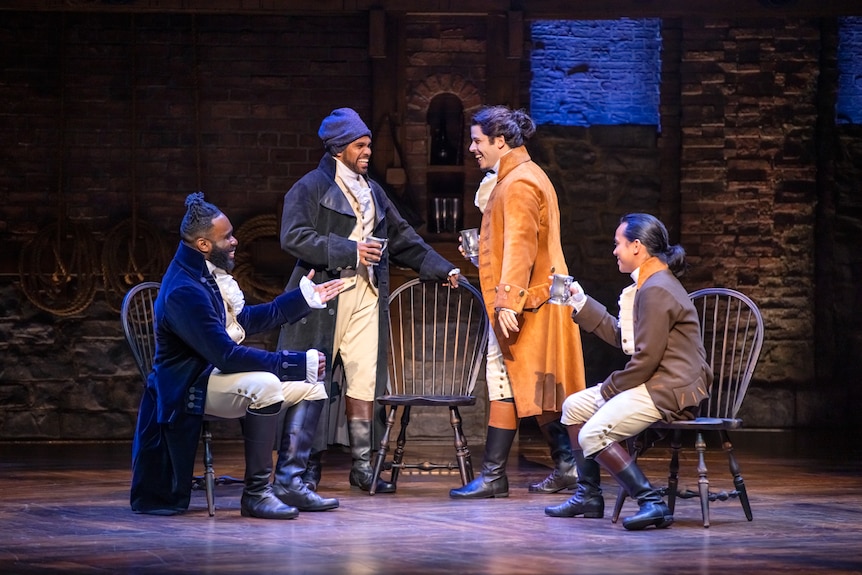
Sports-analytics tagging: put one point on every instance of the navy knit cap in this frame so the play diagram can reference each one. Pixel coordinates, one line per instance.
(340, 128)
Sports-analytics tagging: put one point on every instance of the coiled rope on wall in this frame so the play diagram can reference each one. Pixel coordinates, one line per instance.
(58, 268)
(134, 250)
(255, 287)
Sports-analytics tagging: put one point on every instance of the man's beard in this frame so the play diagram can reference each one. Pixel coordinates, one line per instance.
(221, 259)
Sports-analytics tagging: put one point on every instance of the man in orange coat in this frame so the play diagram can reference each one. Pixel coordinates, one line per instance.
(519, 248)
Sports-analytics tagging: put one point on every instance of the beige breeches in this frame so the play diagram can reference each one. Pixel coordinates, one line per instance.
(356, 338)
(229, 395)
(496, 376)
(604, 422)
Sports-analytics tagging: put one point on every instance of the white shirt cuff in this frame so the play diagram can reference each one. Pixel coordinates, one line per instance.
(312, 298)
(312, 360)
(579, 300)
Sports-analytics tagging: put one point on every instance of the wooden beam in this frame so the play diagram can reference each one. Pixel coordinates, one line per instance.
(532, 10)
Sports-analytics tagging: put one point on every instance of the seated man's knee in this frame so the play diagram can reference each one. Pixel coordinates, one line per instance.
(265, 389)
(593, 438)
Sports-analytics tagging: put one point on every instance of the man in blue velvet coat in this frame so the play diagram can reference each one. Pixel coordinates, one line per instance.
(200, 368)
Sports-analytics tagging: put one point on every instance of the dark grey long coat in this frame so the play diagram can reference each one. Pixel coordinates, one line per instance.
(316, 221)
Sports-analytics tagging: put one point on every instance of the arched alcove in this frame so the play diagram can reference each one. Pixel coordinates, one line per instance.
(439, 107)
(446, 125)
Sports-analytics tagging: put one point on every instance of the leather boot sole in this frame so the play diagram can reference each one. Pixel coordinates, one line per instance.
(481, 489)
(565, 510)
(660, 517)
(305, 500)
(362, 480)
(266, 507)
(555, 482)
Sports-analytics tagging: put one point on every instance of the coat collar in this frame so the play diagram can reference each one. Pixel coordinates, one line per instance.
(191, 260)
(650, 267)
(334, 199)
(512, 160)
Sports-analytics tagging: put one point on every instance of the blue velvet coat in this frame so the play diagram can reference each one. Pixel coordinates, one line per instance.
(190, 341)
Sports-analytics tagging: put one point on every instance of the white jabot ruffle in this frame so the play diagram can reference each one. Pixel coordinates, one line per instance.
(626, 319)
(234, 301)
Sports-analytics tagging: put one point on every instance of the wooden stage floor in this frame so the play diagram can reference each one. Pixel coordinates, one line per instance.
(64, 509)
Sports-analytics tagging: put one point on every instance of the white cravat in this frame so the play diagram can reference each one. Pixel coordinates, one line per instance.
(626, 321)
(485, 187)
(359, 189)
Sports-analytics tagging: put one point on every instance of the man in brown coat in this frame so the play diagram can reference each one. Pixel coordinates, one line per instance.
(519, 248)
(666, 378)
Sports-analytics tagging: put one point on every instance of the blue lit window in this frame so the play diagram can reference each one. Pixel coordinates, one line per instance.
(848, 107)
(588, 72)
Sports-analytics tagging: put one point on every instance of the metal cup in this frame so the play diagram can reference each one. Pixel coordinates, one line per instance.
(382, 241)
(470, 242)
(560, 289)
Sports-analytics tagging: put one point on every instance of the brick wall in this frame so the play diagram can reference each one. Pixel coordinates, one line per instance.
(128, 115)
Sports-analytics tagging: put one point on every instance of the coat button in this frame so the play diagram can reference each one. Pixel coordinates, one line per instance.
(553, 269)
(508, 288)
(285, 365)
(521, 293)
(331, 311)
(303, 321)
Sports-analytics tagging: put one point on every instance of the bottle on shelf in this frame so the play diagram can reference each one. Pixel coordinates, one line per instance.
(443, 153)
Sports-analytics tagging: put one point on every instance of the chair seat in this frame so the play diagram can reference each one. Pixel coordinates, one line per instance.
(700, 423)
(430, 400)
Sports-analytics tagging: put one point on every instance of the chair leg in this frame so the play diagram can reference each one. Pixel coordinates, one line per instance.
(702, 478)
(398, 457)
(738, 482)
(673, 469)
(380, 458)
(462, 453)
(209, 474)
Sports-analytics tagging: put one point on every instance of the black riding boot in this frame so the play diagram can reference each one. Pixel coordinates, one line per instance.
(359, 431)
(314, 470)
(257, 498)
(653, 510)
(359, 414)
(300, 423)
(565, 473)
(587, 500)
(492, 482)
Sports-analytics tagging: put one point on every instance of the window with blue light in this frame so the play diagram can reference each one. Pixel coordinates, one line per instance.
(848, 106)
(596, 72)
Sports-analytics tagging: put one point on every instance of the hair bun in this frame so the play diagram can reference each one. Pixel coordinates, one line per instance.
(194, 198)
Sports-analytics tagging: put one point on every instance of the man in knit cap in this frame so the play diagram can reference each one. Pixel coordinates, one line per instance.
(331, 218)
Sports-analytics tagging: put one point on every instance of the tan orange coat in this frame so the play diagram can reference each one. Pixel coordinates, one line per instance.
(519, 247)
